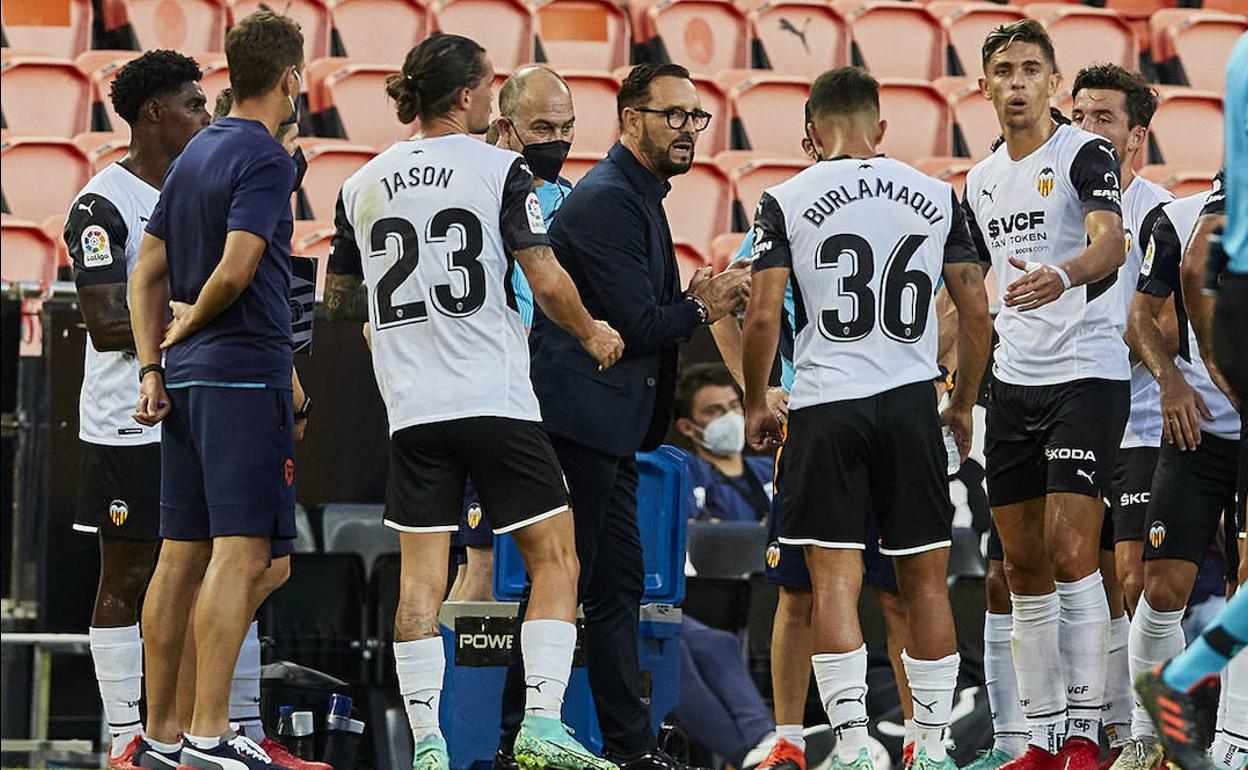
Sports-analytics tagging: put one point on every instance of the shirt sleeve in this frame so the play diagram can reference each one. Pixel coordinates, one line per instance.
(745, 249)
(1094, 175)
(344, 251)
(520, 218)
(771, 237)
(958, 244)
(96, 235)
(1216, 202)
(972, 226)
(1159, 273)
(262, 195)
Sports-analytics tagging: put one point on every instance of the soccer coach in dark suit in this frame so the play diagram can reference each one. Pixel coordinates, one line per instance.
(613, 238)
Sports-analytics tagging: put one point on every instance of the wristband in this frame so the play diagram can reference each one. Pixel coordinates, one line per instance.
(304, 410)
(151, 368)
(704, 314)
(1062, 274)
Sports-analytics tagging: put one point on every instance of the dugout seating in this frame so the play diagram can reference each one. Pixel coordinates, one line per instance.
(919, 119)
(593, 97)
(583, 34)
(894, 38)
(366, 536)
(43, 94)
(966, 24)
(689, 259)
(330, 163)
(797, 37)
(975, 124)
(766, 110)
(29, 253)
(187, 25)
(1180, 180)
(348, 100)
(750, 173)
(103, 148)
(59, 166)
(505, 28)
(1191, 47)
(312, 16)
(1085, 35)
(100, 67)
(706, 36)
(371, 29)
(54, 28)
(699, 206)
(1186, 128)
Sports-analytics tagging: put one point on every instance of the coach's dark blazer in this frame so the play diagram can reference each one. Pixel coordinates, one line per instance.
(612, 237)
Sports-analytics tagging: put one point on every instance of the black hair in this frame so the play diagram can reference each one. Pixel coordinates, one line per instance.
(844, 91)
(153, 74)
(1021, 31)
(433, 74)
(635, 90)
(694, 378)
(1141, 98)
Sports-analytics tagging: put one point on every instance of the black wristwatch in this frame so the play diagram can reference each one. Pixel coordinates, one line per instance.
(151, 368)
(704, 314)
(304, 410)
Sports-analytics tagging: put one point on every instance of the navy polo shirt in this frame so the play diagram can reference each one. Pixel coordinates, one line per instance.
(232, 176)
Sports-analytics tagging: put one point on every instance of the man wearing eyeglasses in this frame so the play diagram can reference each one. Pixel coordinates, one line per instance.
(613, 238)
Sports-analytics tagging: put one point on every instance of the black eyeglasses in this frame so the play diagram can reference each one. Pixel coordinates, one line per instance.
(677, 117)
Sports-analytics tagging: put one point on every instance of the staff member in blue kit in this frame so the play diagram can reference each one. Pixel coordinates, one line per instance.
(613, 238)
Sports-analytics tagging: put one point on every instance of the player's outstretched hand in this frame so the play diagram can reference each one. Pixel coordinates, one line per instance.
(1181, 410)
(180, 327)
(778, 403)
(1040, 286)
(724, 293)
(153, 403)
(762, 429)
(961, 423)
(604, 344)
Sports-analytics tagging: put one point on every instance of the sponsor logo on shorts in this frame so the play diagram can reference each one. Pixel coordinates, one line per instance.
(1044, 182)
(289, 470)
(773, 555)
(1066, 453)
(474, 515)
(1157, 534)
(1134, 498)
(118, 512)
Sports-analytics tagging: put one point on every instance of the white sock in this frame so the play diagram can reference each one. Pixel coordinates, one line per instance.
(1155, 638)
(1230, 747)
(1116, 712)
(1038, 666)
(202, 741)
(421, 666)
(118, 657)
(1083, 638)
(165, 748)
(1009, 726)
(793, 734)
(911, 732)
(547, 646)
(842, 681)
(245, 687)
(932, 683)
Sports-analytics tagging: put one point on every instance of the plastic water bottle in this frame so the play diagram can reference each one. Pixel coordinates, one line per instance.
(342, 733)
(953, 462)
(294, 730)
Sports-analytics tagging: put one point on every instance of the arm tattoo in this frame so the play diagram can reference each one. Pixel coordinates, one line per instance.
(346, 298)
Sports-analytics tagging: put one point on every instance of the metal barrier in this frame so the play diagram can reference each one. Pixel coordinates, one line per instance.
(38, 746)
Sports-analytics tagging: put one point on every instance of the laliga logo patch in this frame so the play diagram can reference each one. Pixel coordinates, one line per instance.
(533, 210)
(118, 512)
(1128, 238)
(1044, 183)
(1147, 267)
(96, 251)
(1157, 534)
(773, 555)
(474, 515)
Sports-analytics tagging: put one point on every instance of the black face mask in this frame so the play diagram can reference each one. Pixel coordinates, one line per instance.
(545, 159)
(301, 167)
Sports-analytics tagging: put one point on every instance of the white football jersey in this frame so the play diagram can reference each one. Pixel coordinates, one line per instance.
(867, 241)
(1033, 209)
(103, 231)
(431, 225)
(1140, 207)
(1160, 278)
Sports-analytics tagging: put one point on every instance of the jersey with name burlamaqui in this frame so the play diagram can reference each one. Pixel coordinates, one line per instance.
(1160, 277)
(1033, 209)
(432, 226)
(1141, 203)
(867, 241)
(103, 231)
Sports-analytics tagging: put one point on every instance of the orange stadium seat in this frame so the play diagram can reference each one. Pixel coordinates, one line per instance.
(1138, 9)
(54, 228)
(578, 163)
(593, 96)
(312, 15)
(1196, 44)
(216, 74)
(505, 28)
(919, 119)
(313, 238)
(29, 254)
(799, 37)
(187, 25)
(583, 34)
(699, 206)
(351, 97)
(44, 94)
(1187, 128)
(893, 38)
(723, 249)
(1180, 180)
(1230, 6)
(1083, 35)
(705, 36)
(53, 27)
(380, 29)
(966, 24)
(975, 120)
(330, 162)
(101, 67)
(750, 174)
(41, 174)
(947, 169)
(767, 110)
(689, 259)
(103, 147)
